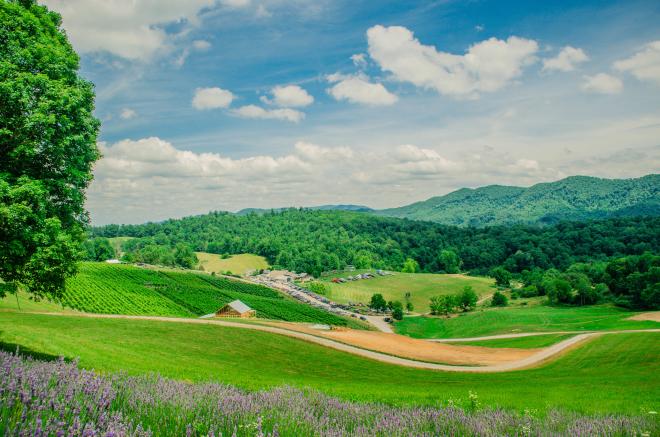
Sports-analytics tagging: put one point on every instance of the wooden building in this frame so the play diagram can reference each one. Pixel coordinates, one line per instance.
(236, 309)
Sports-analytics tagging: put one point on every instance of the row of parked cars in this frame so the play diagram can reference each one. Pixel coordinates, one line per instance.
(358, 277)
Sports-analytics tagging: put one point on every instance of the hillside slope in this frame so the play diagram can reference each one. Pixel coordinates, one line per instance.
(573, 198)
(124, 289)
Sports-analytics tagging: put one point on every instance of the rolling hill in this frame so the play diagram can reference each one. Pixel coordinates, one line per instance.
(573, 198)
(124, 289)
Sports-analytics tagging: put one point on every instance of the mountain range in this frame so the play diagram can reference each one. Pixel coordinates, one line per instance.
(572, 198)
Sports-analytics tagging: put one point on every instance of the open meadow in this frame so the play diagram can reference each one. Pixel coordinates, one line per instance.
(512, 320)
(421, 286)
(237, 264)
(614, 373)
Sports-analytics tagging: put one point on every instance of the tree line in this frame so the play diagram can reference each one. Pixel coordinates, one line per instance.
(316, 241)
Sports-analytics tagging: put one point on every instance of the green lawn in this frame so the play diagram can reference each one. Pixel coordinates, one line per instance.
(24, 303)
(421, 286)
(615, 373)
(237, 264)
(540, 318)
(520, 343)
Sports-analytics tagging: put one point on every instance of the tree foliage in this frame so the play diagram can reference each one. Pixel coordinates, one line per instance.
(316, 241)
(378, 302)
(47, 148)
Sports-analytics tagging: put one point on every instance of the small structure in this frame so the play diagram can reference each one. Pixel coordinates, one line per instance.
(236, 309)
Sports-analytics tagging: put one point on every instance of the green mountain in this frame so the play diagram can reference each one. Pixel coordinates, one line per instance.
(573, 198)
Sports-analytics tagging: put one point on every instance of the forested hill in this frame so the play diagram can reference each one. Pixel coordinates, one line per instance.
(313, 241)
(573, 198)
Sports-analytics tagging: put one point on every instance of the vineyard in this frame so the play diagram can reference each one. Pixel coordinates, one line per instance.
(121, 289)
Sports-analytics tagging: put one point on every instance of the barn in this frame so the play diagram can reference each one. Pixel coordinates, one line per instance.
(236, 309)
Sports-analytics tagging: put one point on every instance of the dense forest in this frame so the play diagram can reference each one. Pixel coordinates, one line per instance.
(573, 198)
(315, 241)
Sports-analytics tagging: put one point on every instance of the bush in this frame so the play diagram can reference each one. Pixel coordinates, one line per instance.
(499, 300)
(442, 304)
(318, 288)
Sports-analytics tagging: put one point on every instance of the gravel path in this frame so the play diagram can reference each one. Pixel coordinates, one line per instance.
(537, 358)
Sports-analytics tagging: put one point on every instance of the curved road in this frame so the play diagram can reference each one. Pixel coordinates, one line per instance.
(541, 356)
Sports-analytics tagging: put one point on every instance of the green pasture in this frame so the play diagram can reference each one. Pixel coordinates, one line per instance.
(530, 342)
(613, 373)
(421, 286)
(237, 264)
(511, 320)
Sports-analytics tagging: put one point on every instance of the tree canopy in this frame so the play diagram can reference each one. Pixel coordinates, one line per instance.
(47, 149)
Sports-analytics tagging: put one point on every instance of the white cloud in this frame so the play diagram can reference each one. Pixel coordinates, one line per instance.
(487, 66)
(566, 60)
(263, 12)
(602, 83)
(359, 60)
(127, 114)
(314, 153)
(126, 28)
(151, 179)
(254, 111)
(235, 3)
(201, 45)
(358, 89)
(289, 96)
(645, 64)
(211, 98)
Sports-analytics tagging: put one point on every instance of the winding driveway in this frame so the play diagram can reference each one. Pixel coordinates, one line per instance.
(530, 361)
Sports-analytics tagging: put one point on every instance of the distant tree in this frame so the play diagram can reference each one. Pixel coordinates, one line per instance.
(378, 302)
(466, 299)
(98, 249)
(499, 300)
(502, 276)
(410, 266)
(397, 310)
(449, 262)
(410, 307)
(184, 256)
(47, 149)
(443, 304)
(397, 313)
(558, 290)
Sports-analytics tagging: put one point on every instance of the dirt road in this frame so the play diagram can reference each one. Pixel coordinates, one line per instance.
(536, 358)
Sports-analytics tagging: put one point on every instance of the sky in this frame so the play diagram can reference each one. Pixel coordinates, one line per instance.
(229, 104)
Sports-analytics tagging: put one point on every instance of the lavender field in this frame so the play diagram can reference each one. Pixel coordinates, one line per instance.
(58, 398)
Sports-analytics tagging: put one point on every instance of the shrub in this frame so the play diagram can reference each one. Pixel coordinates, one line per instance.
(499, 300)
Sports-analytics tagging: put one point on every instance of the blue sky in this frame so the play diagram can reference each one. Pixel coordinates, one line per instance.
(227, 104)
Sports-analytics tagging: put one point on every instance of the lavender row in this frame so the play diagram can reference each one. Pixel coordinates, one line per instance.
(58, 398)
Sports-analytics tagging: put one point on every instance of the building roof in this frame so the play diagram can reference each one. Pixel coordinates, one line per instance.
(239, 306)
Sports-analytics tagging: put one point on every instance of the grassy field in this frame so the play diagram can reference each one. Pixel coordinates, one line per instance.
(421, 286)
(237, 264)
(22, 302)
(614, 373)
(520, 343)
(538, 318)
